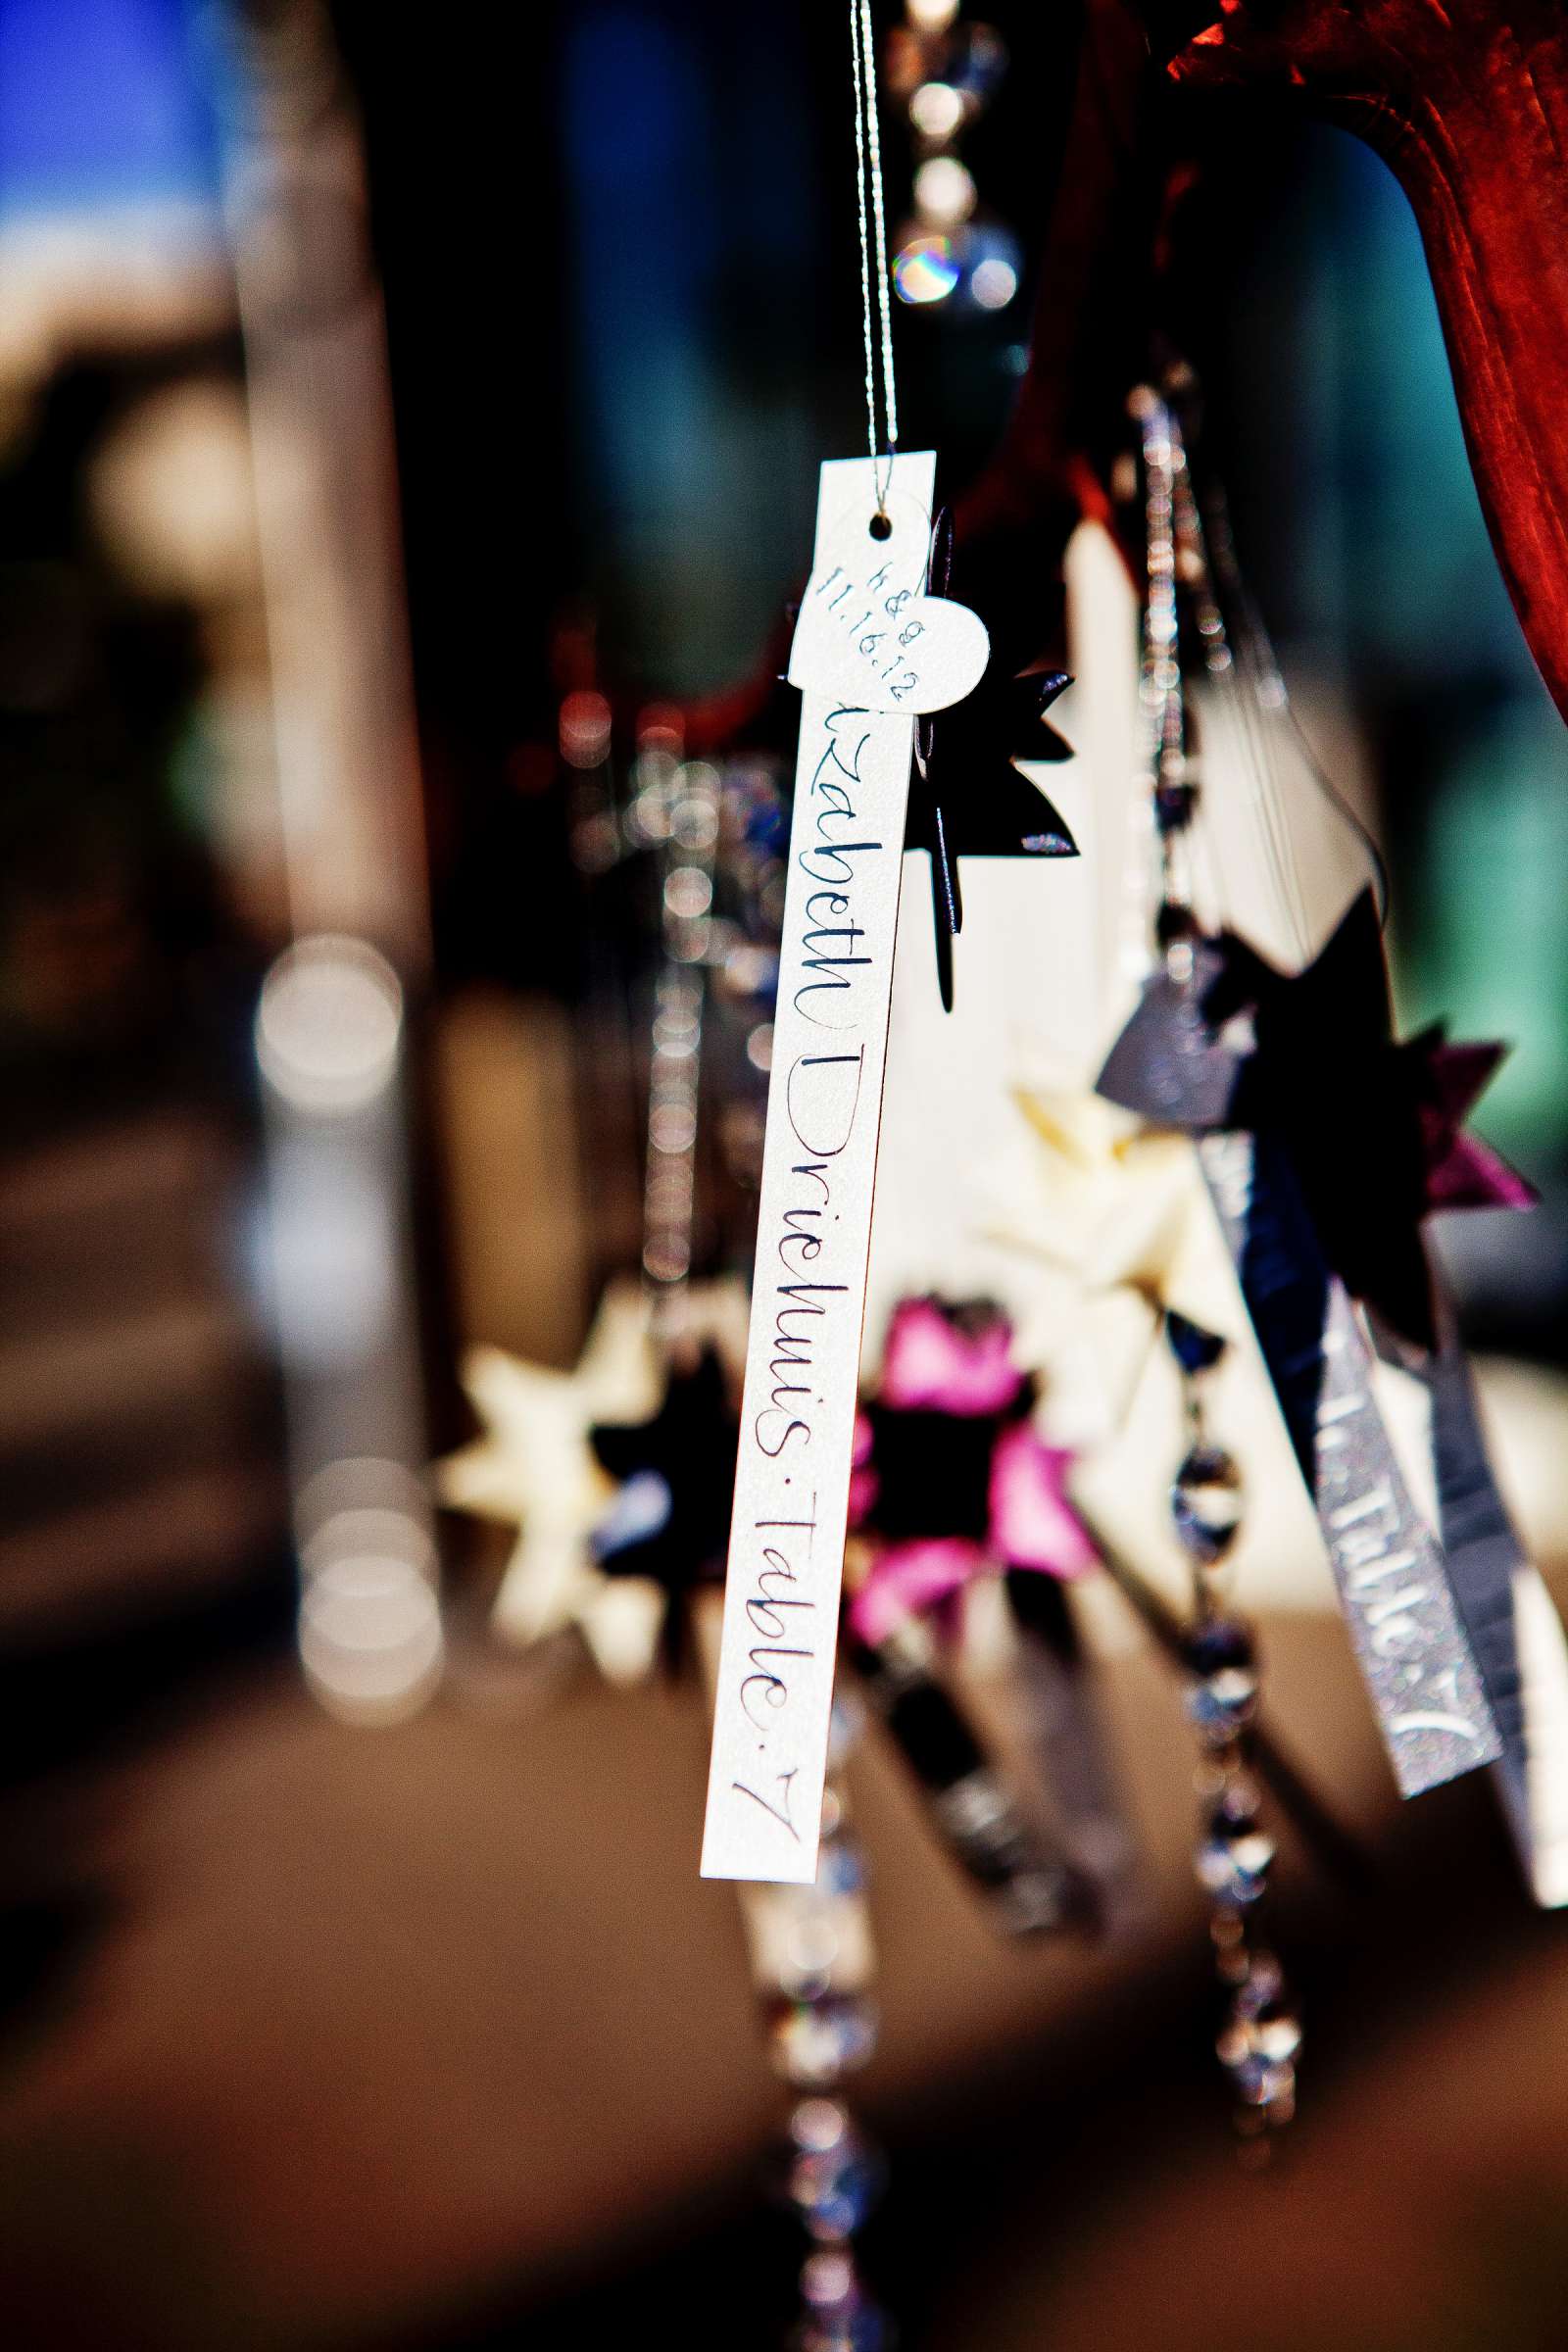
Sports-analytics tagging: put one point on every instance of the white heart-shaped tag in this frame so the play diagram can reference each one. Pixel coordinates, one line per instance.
(868, 632)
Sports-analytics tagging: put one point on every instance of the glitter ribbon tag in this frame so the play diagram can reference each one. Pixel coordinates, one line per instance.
(1405, 1628)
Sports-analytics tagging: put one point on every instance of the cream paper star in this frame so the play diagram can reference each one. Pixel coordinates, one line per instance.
(533, 1468)
(1118, 1227)
(1115, 1218)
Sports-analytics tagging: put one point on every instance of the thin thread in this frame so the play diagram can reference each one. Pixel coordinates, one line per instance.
(1183, 541)
(868, 173)
(884, 292)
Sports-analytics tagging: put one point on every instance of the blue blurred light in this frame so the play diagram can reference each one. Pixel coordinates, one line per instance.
(105, 105)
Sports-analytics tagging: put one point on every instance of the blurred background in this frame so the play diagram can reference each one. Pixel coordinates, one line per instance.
(403, 418)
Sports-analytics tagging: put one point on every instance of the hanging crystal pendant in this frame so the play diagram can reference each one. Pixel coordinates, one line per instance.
(1235, 1851)
(813, 1952)
(951, 256)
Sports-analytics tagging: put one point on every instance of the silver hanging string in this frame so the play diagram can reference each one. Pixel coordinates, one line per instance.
(1190, 544)
(872, 223)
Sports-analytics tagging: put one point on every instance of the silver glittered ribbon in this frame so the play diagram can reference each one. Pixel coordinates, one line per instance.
(1512, 1623)
(1403, 1612)
(1066, 1739)
(1030, 1888)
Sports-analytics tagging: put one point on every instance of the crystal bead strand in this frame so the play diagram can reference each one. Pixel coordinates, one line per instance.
(687, 820)
(1168, 764)
(1261, 2034)
(815, 1960)
(952, 257)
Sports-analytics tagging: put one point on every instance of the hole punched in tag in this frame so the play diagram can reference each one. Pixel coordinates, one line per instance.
(881, 525)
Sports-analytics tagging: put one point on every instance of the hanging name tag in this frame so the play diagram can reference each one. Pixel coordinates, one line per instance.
(1404, 1625)
(871, 651)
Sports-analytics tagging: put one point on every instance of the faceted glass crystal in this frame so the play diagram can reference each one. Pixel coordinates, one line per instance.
(857, 2326)
(1205, 1503)
(836, 2313)
(1259, 2083)
(970, 266)
(840, 1869)
(815, 2042)
(834, 2188)
(969, 60)
(1262, 2036)
(1223, 1696)
(1234, 1857)
(1173, 804)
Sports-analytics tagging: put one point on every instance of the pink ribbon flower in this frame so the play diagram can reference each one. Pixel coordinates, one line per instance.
(950, 1480)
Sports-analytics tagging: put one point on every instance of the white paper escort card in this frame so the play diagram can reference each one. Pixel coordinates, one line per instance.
(871, 651)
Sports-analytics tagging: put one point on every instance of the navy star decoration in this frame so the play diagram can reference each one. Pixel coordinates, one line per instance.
(675, 1473)
(967, 797)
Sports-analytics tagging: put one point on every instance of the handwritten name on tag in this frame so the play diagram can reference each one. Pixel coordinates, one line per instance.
(781, 1604)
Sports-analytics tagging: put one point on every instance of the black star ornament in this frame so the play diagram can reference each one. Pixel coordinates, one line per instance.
(676, 1473)
(967, 797)
(1372, 1126)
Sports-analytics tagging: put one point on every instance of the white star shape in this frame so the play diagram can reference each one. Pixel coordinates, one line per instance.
(1115, 1216)
(534, 1468)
